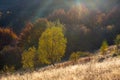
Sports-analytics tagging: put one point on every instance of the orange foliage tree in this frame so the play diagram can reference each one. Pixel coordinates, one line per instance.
(29, 36)
(7, 37)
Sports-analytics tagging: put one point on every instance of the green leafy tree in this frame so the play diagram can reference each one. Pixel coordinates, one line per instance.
(104, 47)
(117, 42)
(52, 44)
(28, 58)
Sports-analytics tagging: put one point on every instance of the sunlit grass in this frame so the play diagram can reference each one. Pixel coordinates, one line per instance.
(106, 70)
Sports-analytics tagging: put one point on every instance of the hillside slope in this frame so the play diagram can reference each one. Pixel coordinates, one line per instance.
(107, 70)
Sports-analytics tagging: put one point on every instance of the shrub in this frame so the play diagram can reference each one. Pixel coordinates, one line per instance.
(8, 68)
(28, 57)
(104, 47)
(10, 56)
(117, 42)
(76, 55)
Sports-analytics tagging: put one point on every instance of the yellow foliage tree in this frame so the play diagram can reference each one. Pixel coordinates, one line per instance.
(104, 47)
(52, 44)
(28, 58)
(74, 56)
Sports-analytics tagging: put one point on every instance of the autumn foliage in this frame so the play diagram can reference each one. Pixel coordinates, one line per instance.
(52, 44)
(46, 41)
(29, 36)
(7, 37)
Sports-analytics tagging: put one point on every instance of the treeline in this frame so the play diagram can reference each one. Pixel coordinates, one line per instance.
(80, 29)
(87, 28)
(40, 43)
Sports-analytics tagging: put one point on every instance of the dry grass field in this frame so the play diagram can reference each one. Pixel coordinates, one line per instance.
(109, 69)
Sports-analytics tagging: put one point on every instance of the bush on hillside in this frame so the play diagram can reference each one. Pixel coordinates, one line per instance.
(10, 56)
(76, 55)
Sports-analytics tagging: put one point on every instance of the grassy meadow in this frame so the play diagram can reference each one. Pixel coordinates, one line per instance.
(108, 69)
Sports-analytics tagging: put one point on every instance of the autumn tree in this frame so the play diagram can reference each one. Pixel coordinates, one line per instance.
(117, 42)
(24, 36)
(57, 14)
(30, 34)
(77, 13)
(7, 37)
(52, 44)
(28, 57)
(104, 47)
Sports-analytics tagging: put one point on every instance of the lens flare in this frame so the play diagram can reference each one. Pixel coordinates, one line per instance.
(41, 10)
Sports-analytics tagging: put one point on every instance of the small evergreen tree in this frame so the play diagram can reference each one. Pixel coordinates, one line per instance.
(28, 58)
(104, 47)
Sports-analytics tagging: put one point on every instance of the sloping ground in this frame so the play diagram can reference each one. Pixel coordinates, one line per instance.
(109, 69)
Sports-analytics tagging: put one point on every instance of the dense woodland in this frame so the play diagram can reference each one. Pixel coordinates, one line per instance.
(81, 29)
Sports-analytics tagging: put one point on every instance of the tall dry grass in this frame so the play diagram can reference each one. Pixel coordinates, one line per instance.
(109, 69)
